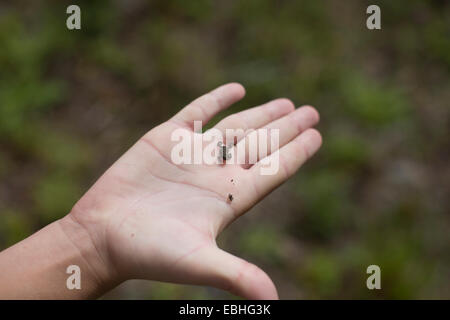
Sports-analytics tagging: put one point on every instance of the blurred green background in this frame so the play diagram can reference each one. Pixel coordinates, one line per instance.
(71, 102)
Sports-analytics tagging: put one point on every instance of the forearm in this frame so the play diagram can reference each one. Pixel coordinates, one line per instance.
(35, 268)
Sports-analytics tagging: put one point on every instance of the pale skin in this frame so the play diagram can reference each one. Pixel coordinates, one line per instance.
(147, 218)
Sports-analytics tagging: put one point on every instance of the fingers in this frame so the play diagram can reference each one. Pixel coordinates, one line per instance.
(256, 117)
(285, 162)
(289, 127)
(208, 105)
(294, 123)
(238, 276)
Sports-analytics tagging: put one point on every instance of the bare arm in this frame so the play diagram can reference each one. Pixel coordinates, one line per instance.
(35, 268)
(148, 217)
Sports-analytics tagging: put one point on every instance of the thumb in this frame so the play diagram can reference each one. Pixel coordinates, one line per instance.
(238, 276)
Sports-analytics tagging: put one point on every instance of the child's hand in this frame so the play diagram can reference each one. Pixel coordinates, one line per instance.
(151, 219)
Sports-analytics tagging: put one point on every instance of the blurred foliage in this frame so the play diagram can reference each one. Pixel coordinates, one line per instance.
(377, 193)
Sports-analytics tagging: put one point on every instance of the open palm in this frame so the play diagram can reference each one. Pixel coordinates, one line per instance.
(152, 219)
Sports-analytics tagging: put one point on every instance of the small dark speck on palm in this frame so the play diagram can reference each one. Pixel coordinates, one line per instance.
(230, 197)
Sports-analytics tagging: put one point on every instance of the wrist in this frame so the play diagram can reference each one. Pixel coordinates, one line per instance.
(92, 254)
(36, 268)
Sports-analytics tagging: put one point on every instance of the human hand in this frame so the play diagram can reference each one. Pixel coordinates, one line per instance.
(149, 218)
